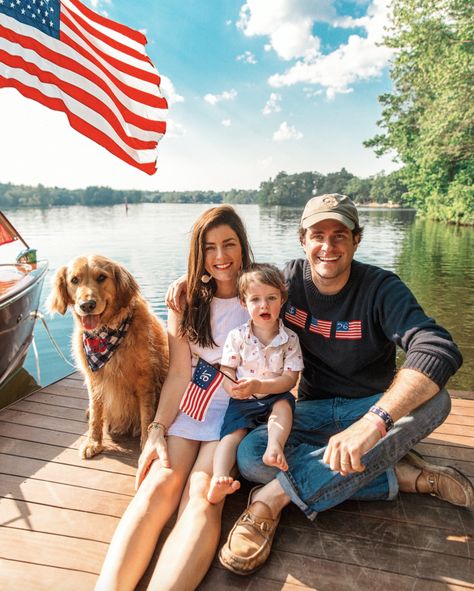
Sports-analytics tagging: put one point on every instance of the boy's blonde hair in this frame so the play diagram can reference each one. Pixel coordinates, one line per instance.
(264, 273)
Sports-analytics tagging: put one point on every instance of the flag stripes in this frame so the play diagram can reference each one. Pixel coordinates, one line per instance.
(296, 316)
(322, 327)
(349, 329)
(94, 70)
(197, 397)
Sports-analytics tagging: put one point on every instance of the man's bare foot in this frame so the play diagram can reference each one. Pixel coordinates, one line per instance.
(221, 486)
(274, 456)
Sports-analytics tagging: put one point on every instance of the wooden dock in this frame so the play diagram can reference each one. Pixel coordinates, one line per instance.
(58, 513)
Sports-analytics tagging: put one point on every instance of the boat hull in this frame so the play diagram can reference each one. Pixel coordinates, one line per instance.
(18, 306)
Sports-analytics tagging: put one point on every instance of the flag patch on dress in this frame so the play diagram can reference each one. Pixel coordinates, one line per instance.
(296, 316)
(322, 327)
(198, 394)
(348, 329)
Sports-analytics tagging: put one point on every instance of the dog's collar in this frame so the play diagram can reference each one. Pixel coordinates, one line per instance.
(100, 346)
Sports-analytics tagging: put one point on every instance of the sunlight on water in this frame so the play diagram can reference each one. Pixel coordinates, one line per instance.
(436, 261)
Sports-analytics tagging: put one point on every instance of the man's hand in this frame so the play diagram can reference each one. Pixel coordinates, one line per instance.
(345, 449)
(245, 388)
(174, 292)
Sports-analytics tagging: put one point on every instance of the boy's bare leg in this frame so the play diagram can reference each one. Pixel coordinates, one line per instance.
(279, 427)
(222, 483)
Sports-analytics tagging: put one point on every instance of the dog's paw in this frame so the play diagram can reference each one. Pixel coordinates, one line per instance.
(90, 449)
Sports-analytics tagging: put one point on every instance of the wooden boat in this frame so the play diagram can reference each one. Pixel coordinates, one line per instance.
(20, 290)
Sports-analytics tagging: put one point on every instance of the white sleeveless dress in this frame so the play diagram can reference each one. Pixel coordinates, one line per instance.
(226, 314)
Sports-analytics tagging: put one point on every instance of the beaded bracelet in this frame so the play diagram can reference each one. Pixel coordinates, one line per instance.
(384, 415)
(156, 425)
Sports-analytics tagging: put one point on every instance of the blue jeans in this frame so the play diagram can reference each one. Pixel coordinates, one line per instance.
(309, 482)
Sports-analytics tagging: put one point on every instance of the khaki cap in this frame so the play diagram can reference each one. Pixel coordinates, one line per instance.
(332, 206)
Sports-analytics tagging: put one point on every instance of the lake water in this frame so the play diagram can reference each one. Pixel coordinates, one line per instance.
(435, 260)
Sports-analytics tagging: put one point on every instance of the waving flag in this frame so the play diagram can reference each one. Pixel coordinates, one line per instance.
(65, 56)
(198, 394)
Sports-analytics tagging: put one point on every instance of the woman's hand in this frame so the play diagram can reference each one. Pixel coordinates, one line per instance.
(155, 448)
(245, 388)
(174, 292)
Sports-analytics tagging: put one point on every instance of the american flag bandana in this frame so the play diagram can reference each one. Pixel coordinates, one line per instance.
(99, 347)
(198, 395)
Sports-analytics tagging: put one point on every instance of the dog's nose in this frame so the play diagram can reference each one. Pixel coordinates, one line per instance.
(88, 306)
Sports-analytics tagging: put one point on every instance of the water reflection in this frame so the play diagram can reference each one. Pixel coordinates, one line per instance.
(435, 260)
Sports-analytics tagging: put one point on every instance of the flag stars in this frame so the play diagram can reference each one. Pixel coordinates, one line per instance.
(12, 5)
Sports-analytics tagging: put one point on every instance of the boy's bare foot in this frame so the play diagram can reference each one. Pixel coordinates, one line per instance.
(274, 456)
(221, 486)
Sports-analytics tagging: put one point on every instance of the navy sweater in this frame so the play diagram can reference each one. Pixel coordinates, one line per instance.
(349, 339)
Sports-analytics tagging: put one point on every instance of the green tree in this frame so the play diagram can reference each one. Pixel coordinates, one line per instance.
(428, 119)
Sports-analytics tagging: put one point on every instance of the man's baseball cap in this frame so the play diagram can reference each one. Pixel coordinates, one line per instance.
(332, 206)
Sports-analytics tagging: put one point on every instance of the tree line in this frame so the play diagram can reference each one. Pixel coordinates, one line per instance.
(284, 189)
(428, 119)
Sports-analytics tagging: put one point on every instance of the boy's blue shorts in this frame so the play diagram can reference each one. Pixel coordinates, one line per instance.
(251, 412)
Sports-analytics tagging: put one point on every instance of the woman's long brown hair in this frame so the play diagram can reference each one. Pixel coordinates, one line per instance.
(196, 320)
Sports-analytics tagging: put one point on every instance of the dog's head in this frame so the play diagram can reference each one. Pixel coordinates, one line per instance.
(95, 287)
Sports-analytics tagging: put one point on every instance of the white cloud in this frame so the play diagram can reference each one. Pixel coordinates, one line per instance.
(265, 163)
(169, 91)
(312, 92)
(286, 132)
(97, 5)
(247, 57)
(273, 104)
(227, 95)
(288, 24)
(226, 122)
(174, 129)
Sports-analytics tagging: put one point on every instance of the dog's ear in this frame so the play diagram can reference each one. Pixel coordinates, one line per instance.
(58, 300)
(126, 286)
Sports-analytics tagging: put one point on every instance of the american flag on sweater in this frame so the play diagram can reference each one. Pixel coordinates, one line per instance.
(322, 327)
(349, 329)
(296, 316)
(65, 56)
(198, 395)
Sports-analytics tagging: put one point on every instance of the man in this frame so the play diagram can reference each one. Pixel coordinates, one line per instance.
(357, 417)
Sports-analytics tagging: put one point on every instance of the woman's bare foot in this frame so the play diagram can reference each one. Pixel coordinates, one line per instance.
(221, 486)
(274, 456)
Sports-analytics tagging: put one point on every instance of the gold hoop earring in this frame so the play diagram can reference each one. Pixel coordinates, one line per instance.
(205, 278)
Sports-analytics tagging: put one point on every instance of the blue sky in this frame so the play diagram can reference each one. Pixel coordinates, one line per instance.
(254, 88)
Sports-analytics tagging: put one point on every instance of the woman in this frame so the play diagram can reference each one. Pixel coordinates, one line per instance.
(175, 466)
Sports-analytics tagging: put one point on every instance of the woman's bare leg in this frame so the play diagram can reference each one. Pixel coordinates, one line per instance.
(138, 530)
(189, 549)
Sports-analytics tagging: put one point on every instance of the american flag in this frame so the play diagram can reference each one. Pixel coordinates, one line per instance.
(65, 56)
(322, 327)
(349, 330)
(296, 316)
(198, 394)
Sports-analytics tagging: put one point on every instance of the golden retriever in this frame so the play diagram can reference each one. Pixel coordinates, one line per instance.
(123, 393)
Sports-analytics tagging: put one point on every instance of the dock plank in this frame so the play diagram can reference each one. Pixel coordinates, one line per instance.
(58, 513)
